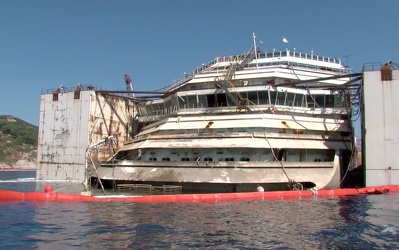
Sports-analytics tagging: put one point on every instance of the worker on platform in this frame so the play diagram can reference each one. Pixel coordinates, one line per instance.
(128, 80)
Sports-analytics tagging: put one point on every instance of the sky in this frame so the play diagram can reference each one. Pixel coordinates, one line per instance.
(48, 43)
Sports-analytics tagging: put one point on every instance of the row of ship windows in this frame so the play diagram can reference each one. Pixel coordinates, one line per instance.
(248, 98)
(211, 159)
(274, 54)
(288, 64)
(277, 54)
(197, 159)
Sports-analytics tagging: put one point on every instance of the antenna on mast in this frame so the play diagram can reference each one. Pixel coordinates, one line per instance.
(256, 53)
(347, 61)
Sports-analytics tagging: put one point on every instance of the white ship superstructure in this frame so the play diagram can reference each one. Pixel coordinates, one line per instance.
(278, 119)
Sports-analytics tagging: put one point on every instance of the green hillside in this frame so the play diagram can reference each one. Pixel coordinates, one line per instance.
(18, 141)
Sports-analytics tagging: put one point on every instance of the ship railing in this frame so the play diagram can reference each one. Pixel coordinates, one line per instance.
(295, 65)
(64, 89)
(373, 66)
(231, 59)
(289, 53)
(188, 76)
(288, 105)
(244, 135)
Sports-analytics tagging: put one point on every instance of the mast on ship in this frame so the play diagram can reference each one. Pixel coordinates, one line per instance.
(256, 56)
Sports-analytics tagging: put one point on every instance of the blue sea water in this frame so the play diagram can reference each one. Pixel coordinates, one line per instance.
(358, 222)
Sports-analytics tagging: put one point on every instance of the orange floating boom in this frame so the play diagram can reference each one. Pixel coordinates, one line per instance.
(10, 196)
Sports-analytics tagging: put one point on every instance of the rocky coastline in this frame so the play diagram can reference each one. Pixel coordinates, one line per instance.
(19, 165)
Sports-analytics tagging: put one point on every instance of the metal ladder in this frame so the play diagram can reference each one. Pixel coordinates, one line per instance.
(226, 81)
(90, 163)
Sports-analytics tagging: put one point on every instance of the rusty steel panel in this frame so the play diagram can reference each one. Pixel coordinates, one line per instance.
(381, 133)
(104, 122)
(68, 126)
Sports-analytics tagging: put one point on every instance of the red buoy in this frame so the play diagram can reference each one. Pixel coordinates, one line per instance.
(48, 189)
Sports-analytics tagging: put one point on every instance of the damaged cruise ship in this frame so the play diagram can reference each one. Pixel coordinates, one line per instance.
(279, 120)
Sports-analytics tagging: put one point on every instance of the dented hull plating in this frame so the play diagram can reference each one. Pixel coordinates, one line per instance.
(324, 175)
